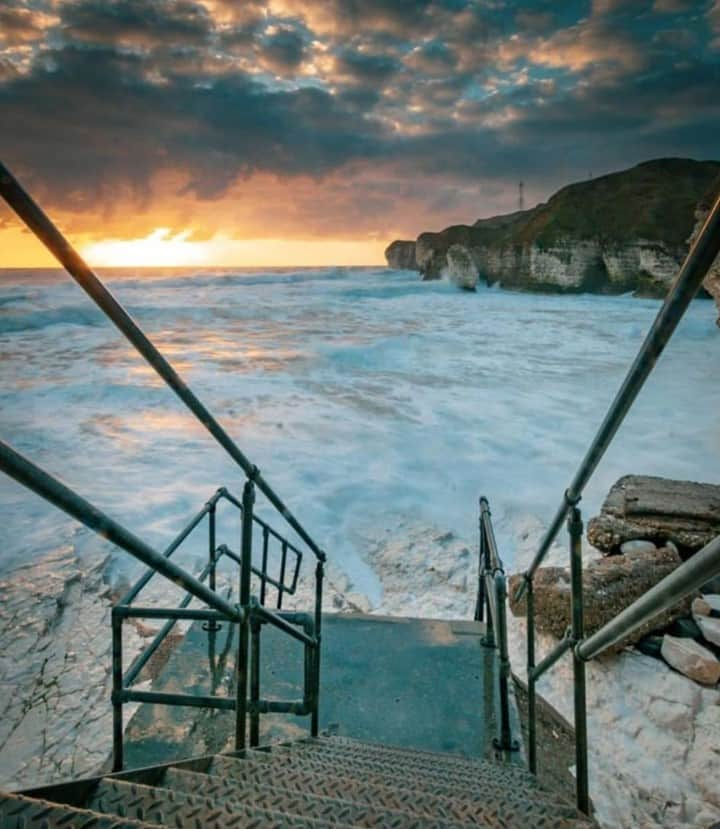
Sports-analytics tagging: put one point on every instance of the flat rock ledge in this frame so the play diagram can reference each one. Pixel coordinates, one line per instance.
(659, 510)
(609, 586)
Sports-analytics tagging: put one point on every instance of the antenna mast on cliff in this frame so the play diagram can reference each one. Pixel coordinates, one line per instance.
(521, 195)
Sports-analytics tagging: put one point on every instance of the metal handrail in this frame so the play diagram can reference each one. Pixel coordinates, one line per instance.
(492, 594)
(684, 580)
(683, 290)
(39, 223)
(670, 590)
(51, 489)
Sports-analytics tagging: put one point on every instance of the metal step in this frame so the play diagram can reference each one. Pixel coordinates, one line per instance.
(494, 804)
(407, 770)
(300, 802)
(18, 812)
(171, 808)
(356, 751)
(474, 768)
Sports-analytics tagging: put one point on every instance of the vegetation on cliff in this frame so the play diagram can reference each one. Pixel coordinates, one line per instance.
(624, 231)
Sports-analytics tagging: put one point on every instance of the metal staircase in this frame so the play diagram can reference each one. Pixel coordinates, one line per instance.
(317, 782)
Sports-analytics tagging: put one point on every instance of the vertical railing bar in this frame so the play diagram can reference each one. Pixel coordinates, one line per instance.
(248, 501)
(117, 706)
(255, 628)
(575, 529)
(532, 722)
(283, 565)
(506, 742)
(296, 573)
(319, 577)
(263, 582)
(212, 626)
(480, 596)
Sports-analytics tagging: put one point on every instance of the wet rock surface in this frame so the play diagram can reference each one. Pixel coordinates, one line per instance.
(609, 586)
(55, 661)
(461, 269)
(642, 507)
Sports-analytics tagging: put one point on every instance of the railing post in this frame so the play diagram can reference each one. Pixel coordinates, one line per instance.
(117, 706)
(575, 529)
(255, 628)
(480, 596)
(263, 583)
(315, 717)
(248, 502)
(212, 626)
(505, 742)
(532, 721)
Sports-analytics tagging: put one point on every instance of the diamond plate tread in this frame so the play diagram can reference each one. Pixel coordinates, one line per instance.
(433, 763)
(427, 761)
(182, 810)
(498, 805)
(301, 802)
(405, 770)
(18, 812)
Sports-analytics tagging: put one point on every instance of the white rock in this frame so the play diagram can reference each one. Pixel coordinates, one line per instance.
(691, 659)
(461, 269)
(637, 546)
(709, 627)
(704, 605)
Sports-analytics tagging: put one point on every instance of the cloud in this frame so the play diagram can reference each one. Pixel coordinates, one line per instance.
(172, 108)
(144, 23)
(21, 26)
(282, 49)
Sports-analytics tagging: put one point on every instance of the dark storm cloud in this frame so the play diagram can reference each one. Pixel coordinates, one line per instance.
(112, 126)
(365, 68)
(451, 89)
(284, 49)
(145, 23)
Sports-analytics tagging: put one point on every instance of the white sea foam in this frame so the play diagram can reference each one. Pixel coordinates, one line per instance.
(368, 399)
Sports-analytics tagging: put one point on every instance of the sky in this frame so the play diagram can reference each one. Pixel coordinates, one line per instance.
(313, 132)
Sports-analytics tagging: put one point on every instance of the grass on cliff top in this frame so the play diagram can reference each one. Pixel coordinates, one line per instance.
(655, 201)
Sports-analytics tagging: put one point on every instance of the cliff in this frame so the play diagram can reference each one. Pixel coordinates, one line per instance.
(400, 255)
(627, 231)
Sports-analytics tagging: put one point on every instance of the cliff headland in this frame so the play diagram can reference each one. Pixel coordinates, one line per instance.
(623, 232)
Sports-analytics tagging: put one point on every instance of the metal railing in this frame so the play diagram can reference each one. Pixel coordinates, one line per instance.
(674, 587)
(123, 691)
(249, 614)
(491, 608)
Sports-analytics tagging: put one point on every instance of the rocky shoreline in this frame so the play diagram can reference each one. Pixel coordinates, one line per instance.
(624, 232)
(653, 732)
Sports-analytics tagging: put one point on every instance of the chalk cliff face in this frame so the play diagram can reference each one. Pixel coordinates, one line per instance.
(623, 232)
(400, 255)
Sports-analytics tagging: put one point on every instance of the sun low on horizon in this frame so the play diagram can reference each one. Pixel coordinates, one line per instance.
(300, 132)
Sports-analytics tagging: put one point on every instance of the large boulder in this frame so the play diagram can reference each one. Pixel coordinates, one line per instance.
(659, 510)
(691, 659)
(400, 255)
(461, 269)
(609, 586)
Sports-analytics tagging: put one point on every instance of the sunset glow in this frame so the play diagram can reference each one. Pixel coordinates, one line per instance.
(160, 249)
(306, 132)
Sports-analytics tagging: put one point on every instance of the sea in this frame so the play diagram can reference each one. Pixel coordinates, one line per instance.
(369, 399)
